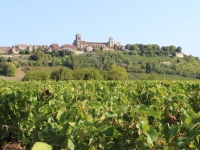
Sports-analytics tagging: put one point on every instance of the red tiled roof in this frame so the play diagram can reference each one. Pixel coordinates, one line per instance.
(55, 46)
(68, 46)
(83, 42)
(23, 45)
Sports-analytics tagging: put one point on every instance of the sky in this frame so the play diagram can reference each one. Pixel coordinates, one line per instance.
(43, 22)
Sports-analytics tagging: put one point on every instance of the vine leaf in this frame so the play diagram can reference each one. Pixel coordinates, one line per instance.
(70, 144)
(152, 136)
(41, 145)
(61, 116)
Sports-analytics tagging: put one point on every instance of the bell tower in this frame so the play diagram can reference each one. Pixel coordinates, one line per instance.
(111, 42)
(78, 40)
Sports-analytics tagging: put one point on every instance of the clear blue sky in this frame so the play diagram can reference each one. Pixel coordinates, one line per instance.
(169, 22)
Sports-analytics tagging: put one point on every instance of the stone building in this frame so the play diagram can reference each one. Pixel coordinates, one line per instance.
(181, 55)
(4, 49)
(68, 47)
(83, 45)
(77, 44)
(14, 50)
(55, 46)
(22, 47)
(30, 47)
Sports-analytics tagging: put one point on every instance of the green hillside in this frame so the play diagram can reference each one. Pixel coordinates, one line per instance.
(140, 61)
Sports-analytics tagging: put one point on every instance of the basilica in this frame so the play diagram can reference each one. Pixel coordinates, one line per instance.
(78, 44)
(89, 46)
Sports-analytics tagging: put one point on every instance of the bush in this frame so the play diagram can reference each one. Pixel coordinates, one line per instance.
(87, 74)
(62, 74)
(8, 69)
(117, 73)
(36, 76)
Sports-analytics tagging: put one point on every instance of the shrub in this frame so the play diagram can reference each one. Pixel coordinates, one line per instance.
(8, 69)
(36, 76)
(62, 74)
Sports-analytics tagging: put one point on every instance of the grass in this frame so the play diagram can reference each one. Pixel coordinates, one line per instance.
(141, 76)
(19, 75)
(44, 68)
(138, 58)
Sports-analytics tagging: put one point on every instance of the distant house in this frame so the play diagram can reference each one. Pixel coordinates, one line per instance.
(30, 47)
(89, 49)
(68, 47)
(1, 49)
(22, 47)
(120, 47)
(55, 46)
(117, 43)
(35, 47)
(181, 55)
(14, 50)
(106, 48)
(4, 49)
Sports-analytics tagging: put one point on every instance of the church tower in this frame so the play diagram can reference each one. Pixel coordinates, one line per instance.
(78, 40)
(111, 42)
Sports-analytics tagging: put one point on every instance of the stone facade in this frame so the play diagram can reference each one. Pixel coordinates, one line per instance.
(30, 47)
(22, 47)
(181, 55)
(14, 50)
(55, 46)
(4, 49)
(77, 44)
(68, 47)
(89, 46)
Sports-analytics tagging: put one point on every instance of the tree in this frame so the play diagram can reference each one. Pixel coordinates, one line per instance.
(117, 73)
(38, 55)
(2, 59)
(172, 48)
(128, 46)
(27, 52)
(8, 69)
(22, 51)
(115, 46)
(62, 74)
(9, 59)
(179, 49)
(36, 76)
(92, 74)
(148, 67)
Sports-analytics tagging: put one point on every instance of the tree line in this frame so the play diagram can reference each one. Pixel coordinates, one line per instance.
(115, 73)
(153, 50)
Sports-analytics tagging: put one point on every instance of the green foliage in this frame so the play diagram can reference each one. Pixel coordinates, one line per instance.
(2, 59)
(151, 76)
(24, 52)
(87, 74)
(178, 49)
(115, 46)
(36, 76)
(91, 74)
(117, 73)
(102, 115)
(62, 74)
(38, 55)
(8, 69)
(41, 146)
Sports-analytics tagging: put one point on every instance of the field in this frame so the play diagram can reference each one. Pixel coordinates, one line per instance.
(80, 115)
(142, 76)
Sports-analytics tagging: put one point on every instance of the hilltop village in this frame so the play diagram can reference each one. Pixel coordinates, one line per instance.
(78, 44)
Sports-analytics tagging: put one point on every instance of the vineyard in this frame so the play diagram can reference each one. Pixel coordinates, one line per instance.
(101, 115)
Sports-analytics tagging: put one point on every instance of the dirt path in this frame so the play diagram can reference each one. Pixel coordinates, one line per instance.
(19, 75)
